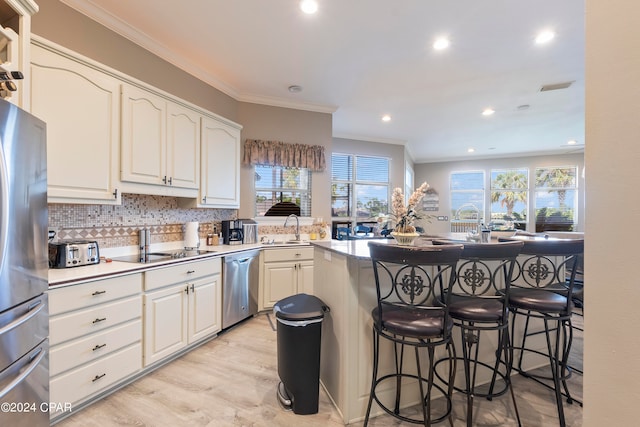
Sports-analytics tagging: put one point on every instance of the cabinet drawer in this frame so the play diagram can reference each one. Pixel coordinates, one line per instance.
(288, 254)
(87, 294)
(82, 350)
(180, 273)
(88, 380)
(64, 327)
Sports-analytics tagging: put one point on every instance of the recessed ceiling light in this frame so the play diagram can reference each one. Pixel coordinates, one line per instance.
(309, 6)
(386, 118)
(545, 37)
(441, 43)
(471, 150)
(295, 89)
(488, 111)
(572, 142)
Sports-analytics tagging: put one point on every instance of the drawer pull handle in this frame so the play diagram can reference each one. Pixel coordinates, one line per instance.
(190, 271)
(100, 319)
(98, 293)
(97, 377)
(98, 347)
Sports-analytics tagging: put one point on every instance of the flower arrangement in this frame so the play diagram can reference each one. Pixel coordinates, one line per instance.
(406, 215)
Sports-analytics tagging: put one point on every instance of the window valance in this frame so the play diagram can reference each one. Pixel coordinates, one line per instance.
(276, 153)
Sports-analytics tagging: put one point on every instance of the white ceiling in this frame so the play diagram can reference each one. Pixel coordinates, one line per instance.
(361, 59)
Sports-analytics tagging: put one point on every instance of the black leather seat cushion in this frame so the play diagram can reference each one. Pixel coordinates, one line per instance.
(412, 322)
(475, 309)
(545, 301)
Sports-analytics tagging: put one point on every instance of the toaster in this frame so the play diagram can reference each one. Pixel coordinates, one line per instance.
(73, 253)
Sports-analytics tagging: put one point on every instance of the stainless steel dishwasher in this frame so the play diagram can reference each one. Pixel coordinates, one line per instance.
(240, 290)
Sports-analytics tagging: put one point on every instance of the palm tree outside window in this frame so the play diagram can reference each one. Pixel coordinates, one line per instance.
(509, 199)
(556, 198)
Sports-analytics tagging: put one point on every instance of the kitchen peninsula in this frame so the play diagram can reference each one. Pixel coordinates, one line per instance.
(344, 280)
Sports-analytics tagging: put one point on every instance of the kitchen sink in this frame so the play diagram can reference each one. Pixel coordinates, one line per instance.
(285, 243)
(152, 257)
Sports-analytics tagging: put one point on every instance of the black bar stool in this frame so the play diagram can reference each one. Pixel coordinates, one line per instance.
(409, 313)
(543, 288)
(479, 303)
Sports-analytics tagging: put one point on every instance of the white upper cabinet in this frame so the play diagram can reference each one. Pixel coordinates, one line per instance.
(109, 133)
(183, 146)
(220, 167)
(160, 141)
(81, 108)
(144, 138)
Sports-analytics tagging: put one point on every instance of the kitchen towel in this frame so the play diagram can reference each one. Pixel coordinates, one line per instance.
(191, 238)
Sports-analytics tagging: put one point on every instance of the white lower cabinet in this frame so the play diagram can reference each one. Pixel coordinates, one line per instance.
(285, 272)
(95, 335)
(182, 307)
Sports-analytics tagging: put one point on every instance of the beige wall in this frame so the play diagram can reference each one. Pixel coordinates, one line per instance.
(291, 126)
(612, 157)
(59, 23)
(437, 175)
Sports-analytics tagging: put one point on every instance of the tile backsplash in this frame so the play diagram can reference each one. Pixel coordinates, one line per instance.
(116, 226)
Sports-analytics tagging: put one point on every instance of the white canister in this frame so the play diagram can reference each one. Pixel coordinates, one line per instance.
(191, 237)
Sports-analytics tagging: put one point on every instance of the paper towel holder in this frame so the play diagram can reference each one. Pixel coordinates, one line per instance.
(191, 235)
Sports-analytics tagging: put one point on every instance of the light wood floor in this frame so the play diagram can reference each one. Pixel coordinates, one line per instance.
(232, 380)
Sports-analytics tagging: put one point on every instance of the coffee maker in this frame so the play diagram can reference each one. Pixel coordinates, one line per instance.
(232, 232)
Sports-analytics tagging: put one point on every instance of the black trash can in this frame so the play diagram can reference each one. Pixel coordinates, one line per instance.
(299, 318)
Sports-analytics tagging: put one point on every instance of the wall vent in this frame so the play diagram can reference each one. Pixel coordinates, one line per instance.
(555, 86)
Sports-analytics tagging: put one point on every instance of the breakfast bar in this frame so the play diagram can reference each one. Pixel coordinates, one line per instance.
(344, 280)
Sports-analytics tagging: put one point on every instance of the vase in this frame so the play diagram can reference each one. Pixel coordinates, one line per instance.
(405, 239)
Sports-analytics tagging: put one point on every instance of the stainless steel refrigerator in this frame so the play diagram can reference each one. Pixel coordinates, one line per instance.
(24, 320)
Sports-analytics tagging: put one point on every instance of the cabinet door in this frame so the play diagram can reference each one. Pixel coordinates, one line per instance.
(83, 128)
(305, 277)
(183, 146)
(144, 141)
(220, 165)
(165, 322)
(204, 308)
(280, 281)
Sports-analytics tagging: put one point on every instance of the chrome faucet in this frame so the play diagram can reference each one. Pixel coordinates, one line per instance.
(297, 225)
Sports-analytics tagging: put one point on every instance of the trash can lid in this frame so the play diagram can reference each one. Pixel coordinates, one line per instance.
(300, 307)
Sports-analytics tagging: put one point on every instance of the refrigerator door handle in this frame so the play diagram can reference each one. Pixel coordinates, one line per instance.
(4, 208)
(20, 320)
(35, 361)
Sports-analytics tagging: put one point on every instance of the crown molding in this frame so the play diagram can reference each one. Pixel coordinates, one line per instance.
(101, 16)
(285, 103)
(371, 139)
(23, 7)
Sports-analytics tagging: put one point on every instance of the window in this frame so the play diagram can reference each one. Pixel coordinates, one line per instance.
(276, 184)
(467, 200)
(359, 186)
(556, 198)
(509, 193)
